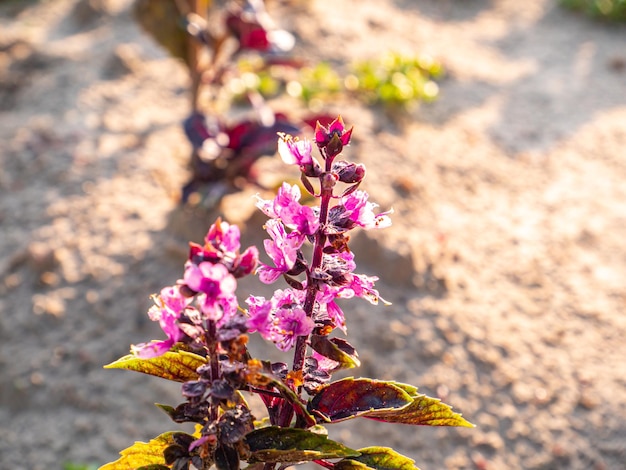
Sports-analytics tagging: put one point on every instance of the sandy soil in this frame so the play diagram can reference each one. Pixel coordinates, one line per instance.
(505, 264)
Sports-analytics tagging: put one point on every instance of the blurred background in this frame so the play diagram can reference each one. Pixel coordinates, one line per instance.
(495, 129)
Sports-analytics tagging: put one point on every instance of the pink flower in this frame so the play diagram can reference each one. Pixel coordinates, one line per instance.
(282, 248)
(360, 285)
(280, 319)
(291, 323)
(361, 212)
(167, 309)
(216, 287)
(222, 246)
(326, 306)
(259, 315)
(285, 206)
(223, 237)
(294, 151)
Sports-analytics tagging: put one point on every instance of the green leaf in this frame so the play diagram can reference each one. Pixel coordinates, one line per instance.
(337, 350)
(391, 402)
(179, 366)
(349, 398)
(142, 454)
(378, 458)
(276, 444)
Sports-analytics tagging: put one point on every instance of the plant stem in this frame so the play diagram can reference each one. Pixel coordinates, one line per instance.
(214, 359)
(326, 194)
(312, 288)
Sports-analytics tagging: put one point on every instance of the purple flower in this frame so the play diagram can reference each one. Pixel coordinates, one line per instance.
(360, 285)
(282, 248)
(291, 323)
(280, 319)
(223, 237)
(259, 315)
(327, 307)
(167, 309)
(285, 206)
(216, 287)
(294, 151)
(361, 212)
(222, 246)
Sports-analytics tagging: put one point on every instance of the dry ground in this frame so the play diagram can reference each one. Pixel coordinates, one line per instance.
(505, 264)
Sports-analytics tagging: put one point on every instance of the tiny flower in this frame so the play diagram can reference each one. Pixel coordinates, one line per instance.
(360, 285)
(282, 248)
(259, 315)
(285, 206)
(216, 287)
(361, 212)
(167, 309)
(247, 262)
(294, 151)
(291, 323)
(327, 307)
(222, 246)
(223, 237)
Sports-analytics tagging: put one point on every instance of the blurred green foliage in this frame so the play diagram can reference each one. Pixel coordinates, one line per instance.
(614, 10)
(393, 81)
(396, 79)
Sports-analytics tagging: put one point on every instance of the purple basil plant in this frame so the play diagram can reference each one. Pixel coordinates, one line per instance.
(207, 335)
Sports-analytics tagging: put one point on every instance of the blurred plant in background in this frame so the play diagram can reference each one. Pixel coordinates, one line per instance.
(614, 10)
(237, 56)
(394, 81)
(209, 38)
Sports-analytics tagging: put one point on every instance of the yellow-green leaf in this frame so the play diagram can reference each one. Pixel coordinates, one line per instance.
(179, 366)
(378, 458)
(423, 410)
(143, 454)
(276, 444)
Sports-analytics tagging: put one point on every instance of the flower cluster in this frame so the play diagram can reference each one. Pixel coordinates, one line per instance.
(309, 305)
(205, 294)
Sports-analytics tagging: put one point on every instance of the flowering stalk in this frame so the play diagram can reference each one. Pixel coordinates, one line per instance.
(207, 335)
(323, 137)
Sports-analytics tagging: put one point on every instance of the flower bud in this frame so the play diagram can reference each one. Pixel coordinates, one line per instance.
(349, 172)
(328, 181)
(332, 139)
